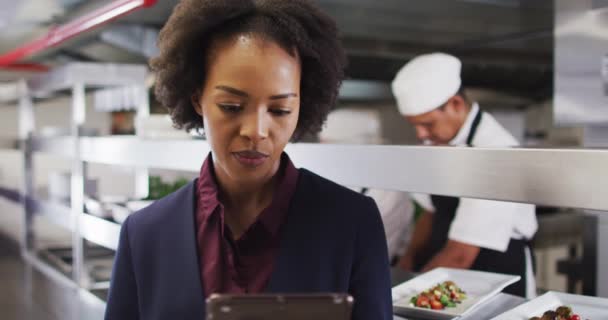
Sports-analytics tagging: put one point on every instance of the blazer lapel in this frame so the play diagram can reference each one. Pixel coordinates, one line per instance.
(292, 251)
(188, 284)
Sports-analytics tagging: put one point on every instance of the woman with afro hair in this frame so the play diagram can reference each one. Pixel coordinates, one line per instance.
(253, 75)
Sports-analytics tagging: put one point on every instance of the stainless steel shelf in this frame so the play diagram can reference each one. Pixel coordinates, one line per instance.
(573, 178)
(61, 146)
(48, 270)
(9, 92)
(158, 153)
(90, 306)
(129, 151)
(75, 78)
(91, 228)
(91, 74)
(57, 213)
(553, 177)
(99, 231)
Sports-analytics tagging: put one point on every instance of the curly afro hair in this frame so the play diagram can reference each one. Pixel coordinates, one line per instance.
(297, 26)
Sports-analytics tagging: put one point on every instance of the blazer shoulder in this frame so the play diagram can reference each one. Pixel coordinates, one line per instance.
(331, 193)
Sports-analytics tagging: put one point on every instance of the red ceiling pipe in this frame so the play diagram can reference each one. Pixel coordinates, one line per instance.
(30, 67)
(69, 30)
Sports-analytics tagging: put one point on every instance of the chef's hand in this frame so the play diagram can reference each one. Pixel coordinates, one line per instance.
(406, 262)
(458, 255)
(420, 238)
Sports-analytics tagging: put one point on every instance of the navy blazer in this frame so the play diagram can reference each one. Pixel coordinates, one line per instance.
(332, 241)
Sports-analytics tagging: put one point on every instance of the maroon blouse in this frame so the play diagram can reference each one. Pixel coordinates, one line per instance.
(242, 265)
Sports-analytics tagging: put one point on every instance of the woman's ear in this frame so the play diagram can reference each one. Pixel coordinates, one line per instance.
(195, 99)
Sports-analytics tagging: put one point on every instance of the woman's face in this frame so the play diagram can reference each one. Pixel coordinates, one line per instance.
(250, 103)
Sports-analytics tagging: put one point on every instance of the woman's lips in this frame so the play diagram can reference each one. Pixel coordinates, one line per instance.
(250, 158)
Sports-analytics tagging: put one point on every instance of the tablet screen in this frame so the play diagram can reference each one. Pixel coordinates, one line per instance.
(279, 307)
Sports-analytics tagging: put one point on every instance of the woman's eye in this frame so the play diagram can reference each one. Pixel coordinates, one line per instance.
(230, 108)
(280, 112)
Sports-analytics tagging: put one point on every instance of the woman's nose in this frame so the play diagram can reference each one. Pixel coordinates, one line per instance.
(255, 126)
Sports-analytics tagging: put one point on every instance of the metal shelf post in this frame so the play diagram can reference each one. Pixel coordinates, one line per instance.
(77, 183)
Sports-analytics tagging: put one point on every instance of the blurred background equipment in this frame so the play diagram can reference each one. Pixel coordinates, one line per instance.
(74, 76)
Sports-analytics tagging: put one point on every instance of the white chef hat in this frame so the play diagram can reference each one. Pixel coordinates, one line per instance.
(426, 82)
(351, 125)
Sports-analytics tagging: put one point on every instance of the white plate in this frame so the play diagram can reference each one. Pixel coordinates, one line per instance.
(119, 213)
(137, 205)
(117, 199)
(479, 286)
(591, 308)
(96, 208)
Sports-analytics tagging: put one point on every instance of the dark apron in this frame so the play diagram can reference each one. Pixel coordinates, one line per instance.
(513, 261)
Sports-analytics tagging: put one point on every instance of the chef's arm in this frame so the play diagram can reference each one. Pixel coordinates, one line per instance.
(454, 255)
(422, 234)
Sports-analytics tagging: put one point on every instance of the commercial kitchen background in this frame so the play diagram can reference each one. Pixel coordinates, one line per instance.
(526, 62)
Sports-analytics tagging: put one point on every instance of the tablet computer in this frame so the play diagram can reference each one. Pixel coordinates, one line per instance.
(279, 307)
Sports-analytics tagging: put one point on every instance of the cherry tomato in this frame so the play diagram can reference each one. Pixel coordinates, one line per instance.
(436, 305)
(422, 301)
(575, 317)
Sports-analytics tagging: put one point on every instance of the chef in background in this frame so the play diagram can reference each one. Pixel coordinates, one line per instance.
(454, 232)
(360, 126)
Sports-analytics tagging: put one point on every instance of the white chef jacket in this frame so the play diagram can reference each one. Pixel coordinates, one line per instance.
(397, 212)
(486, 223)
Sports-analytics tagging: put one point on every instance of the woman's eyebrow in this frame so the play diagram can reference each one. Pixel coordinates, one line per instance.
(233, 91)
(284, 96)
(244, 94)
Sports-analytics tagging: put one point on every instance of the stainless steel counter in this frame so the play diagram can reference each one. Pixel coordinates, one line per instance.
(29, 293)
